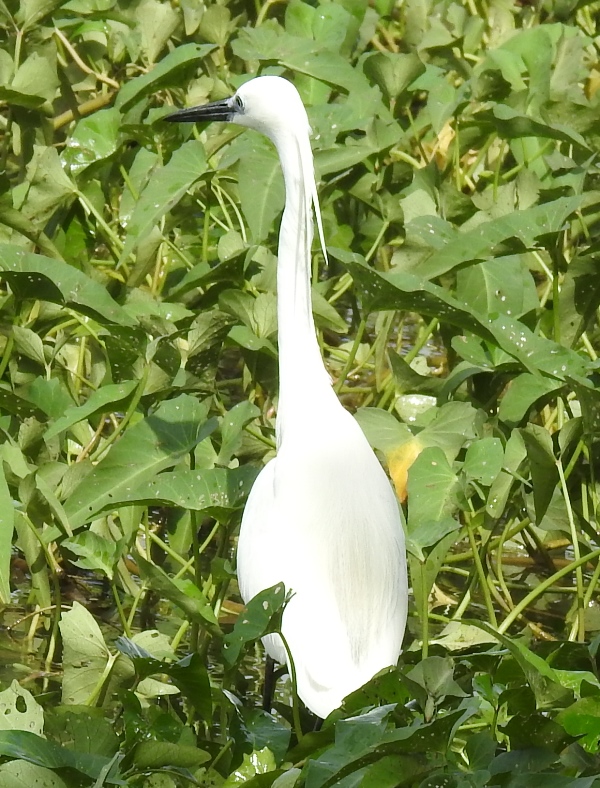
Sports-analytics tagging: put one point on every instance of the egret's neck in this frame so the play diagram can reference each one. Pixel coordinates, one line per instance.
(303, 378)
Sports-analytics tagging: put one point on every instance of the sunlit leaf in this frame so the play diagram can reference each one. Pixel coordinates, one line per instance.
(66, 284)
(114, 395)
(167, 187)
(19, 711)
(20, 774)
(484, 459)
(152, 445)
(254, 621)
(168, 71)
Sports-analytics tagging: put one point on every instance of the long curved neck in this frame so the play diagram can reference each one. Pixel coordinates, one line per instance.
(303, 378)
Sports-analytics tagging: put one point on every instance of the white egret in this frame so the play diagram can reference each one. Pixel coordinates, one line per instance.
(322, 516)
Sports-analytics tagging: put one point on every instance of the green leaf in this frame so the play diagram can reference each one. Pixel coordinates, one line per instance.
(21, 774)
(170, 71)
(399, 290)
(156, 23)
(431, 487)
(51, 396)
(86, 658)
(29, 344)
(383, 430)
(542, 466)
(582, 719)
(409, 381)
(511, 124)
(503, 286)
(454, 424)
(436, 676)
(190, 674)
(326, 316)
(217, 491)
(543, 680)
(183, 593)
(253, 764)
(95, 139)
(94, 552)
(246, 338)
(260, 184)
(47, 188)
(579, 297)
(19, 98)
(514, 454)
(522, 394)
(158, 754)
(215, 24)
(114, 395)
(33, 11)
(484, 459)
(150, 446)
(232, 425)
(254, 621)
(301, 55)
(62, 283)
(166, 188)
(266, 731)
(86, 730)
(479, 244)
(39, 751)
(393, 71)
(55, 505)
(28, 542)
(19, 711)
(35, 82)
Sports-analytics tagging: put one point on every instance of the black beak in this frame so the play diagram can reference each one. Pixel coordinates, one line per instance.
(218, 110)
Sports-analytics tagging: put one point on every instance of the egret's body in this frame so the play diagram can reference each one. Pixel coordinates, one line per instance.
(321, 516)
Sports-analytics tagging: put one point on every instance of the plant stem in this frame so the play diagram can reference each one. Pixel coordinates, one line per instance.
(127, 417)
(579, 627)
(543, 586)
(424, 614)
(351, 355)
(481, 574)
(195, 628)
(295, 708)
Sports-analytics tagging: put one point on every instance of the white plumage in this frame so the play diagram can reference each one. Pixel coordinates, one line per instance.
(322, 516)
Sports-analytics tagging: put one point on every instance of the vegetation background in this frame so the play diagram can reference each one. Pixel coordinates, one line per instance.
(456, 148)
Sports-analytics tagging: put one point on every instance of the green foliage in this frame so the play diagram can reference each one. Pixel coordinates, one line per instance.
(455, 147)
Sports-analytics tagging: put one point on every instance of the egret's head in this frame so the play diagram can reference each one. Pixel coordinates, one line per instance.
(270, 105)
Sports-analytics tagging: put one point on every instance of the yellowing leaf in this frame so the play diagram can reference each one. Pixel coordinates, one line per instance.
(399, 461)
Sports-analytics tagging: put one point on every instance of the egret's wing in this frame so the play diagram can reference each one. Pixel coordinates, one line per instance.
(258, 552)
(322, 519)
(346, 561)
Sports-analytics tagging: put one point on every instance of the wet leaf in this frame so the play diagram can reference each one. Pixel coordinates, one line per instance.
(254, 621)
(484, 460)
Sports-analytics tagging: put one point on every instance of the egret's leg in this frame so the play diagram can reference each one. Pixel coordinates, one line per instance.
(269, 685)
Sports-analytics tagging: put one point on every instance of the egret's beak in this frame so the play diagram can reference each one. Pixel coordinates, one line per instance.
(218, 110)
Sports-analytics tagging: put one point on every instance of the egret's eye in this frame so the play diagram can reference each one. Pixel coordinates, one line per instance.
(238, 103)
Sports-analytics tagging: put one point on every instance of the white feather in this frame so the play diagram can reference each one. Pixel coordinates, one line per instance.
(321, 517)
